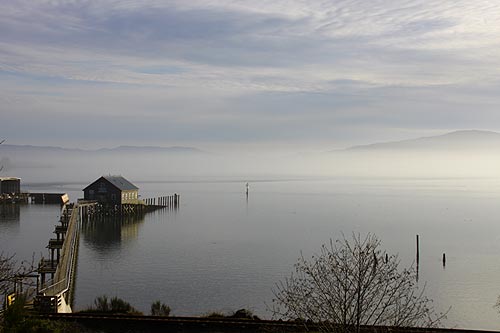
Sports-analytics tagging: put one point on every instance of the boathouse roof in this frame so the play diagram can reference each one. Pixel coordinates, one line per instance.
(119, 182)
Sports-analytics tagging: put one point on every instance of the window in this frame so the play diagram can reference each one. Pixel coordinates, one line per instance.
(102, 188)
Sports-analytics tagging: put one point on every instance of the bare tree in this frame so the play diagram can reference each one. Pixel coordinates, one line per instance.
(12, 272)
(352, 283)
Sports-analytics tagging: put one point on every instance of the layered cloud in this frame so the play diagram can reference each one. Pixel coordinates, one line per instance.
(217, 64)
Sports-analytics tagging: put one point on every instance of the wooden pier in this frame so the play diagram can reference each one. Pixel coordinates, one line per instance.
(131, 207)
(56, 293)
(14, 198)
(169, 201)
(49, 198)
(57, 273)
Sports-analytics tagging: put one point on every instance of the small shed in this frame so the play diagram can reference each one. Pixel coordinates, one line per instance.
(112, 190)
(10, 185)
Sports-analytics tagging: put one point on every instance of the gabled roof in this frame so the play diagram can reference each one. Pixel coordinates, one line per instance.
(121, 183)
(117, 181)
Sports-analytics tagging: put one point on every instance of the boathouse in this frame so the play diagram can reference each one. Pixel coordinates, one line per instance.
(112, 190)
(10, 185)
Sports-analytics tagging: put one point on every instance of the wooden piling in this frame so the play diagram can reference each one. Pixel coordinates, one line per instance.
(418, 250)
(166, 201)
(444, 259)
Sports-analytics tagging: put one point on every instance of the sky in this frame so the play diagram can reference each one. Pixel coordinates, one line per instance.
(229, 75)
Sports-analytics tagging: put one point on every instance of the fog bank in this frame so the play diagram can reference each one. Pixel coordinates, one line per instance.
(79, 167)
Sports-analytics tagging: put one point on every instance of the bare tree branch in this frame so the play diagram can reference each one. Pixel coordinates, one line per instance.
(11, 272)
(352, 283)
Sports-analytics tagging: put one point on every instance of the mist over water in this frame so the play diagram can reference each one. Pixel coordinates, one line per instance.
(84, 167)
(222, 251)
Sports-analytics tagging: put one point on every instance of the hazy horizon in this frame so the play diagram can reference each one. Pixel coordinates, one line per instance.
(250, 166)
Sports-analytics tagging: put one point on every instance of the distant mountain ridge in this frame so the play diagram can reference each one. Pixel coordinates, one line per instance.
(120, 149)
(453, 141)
(151, 149)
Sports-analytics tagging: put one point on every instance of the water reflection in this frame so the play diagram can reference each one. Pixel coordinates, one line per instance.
(10, 212)
(108, 232)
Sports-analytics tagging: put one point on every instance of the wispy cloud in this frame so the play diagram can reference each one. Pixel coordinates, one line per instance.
(293, 36)
(343, 62)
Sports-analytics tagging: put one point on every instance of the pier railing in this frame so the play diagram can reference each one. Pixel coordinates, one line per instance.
(56, 294)
(168, 201)
(63, 279)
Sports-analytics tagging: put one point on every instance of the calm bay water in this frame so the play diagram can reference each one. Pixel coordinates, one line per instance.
(222, 252)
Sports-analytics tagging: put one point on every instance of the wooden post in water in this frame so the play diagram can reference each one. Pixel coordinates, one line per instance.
(444, 260)
(418, 251)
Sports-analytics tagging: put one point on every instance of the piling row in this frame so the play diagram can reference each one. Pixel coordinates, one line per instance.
(170, 201)
(14, 198)
(418, 255)
(61, 267)
(49, 266)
